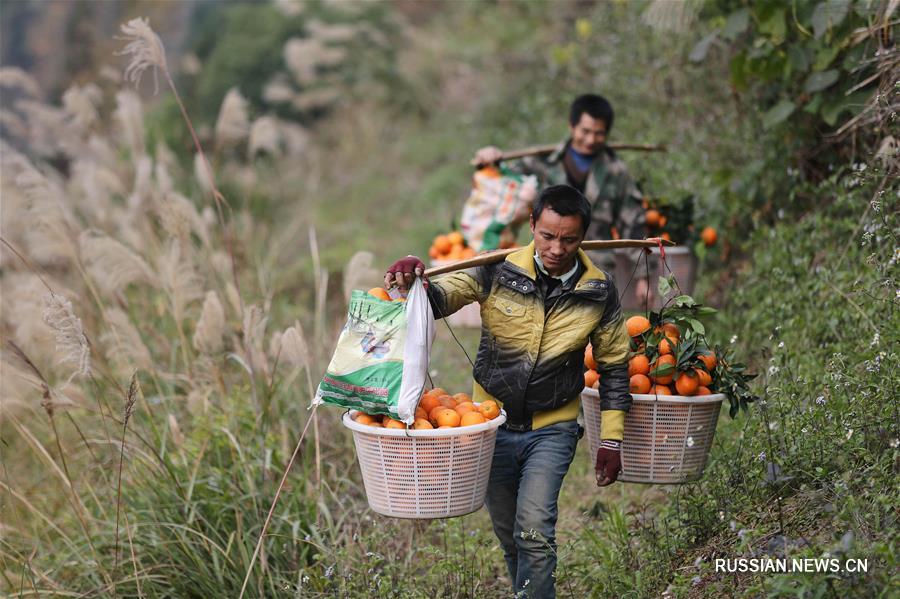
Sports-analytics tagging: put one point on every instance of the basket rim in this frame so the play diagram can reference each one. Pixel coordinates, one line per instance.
(644, 398)
(348, 421)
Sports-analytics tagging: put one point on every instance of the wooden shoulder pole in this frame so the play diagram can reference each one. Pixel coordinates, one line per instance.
(499, 255)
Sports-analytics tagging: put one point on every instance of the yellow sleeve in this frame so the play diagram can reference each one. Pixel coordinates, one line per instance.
(455, 290)
(612, 425)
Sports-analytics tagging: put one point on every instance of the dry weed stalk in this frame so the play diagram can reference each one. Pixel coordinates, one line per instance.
(287, 470)
(47, 404)
(130, 399)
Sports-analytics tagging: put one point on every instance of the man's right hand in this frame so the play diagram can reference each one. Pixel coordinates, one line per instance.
(487, 155)
(403, 272)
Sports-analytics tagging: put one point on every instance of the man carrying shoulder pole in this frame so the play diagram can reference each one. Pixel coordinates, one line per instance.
(540, 307)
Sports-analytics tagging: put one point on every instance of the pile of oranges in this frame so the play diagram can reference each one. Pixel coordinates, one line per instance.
(657, 220)
(591, 376)
(438, 409)
(660, 366)
(450, 246)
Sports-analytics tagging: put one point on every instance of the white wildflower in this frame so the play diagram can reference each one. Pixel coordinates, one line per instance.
(689, 442)
(773, 426)
(875, 339)
(733, 339)
(820, 400)
(762, 456)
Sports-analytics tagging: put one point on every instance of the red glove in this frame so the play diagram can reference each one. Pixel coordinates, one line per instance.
(403, 272)
(609, 462)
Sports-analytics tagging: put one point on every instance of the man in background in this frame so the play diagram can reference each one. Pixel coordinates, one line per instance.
(585, 162)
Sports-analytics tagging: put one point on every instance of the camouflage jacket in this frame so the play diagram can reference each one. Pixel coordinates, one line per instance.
(615, 198)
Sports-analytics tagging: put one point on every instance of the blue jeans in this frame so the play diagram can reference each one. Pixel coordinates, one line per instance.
(526, 475)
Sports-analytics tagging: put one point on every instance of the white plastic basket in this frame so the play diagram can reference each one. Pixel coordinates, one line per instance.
(667, 438)
(469, 316)
(680, 260)
(436, 473)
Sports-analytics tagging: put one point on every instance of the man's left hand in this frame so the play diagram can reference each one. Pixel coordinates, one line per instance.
(403, 272)
(609, 462)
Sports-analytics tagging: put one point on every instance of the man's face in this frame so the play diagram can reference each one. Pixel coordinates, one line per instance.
(588, 134)
(556, 240)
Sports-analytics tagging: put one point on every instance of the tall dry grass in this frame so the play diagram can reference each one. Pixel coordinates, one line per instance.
(155, 376)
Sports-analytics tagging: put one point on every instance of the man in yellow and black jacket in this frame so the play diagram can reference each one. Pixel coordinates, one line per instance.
(539, 309)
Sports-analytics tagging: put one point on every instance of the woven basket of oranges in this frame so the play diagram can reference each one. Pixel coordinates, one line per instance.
(436, 468)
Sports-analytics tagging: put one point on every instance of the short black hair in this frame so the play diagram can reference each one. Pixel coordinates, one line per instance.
(564, 200)
(596, 106)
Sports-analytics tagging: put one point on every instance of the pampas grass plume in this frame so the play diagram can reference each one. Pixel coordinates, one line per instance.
(112, 265)
(210, 332)
(130, 116)
(264, 137)
(123, 343)
(146, 50)
(294, 348)
(71, 341)
(202, 174)
(233, 125)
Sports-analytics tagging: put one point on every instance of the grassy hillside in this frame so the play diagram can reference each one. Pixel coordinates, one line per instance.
(147, 423)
